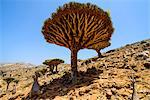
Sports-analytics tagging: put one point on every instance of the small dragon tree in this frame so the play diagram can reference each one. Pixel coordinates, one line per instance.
(100, 46)
(8, 81)
(77, 26)
(53, 62)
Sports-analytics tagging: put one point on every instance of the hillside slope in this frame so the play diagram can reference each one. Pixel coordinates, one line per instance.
(107, 78)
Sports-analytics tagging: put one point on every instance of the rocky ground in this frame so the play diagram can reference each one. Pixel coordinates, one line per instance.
(107, 78)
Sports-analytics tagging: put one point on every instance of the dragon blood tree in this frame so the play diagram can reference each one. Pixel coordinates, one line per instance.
(77, 26)
(100, 46)
(53, 63)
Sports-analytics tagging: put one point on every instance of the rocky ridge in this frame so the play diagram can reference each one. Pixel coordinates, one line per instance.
(107, 78)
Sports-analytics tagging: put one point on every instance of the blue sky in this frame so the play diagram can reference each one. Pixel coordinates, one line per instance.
(21, 21)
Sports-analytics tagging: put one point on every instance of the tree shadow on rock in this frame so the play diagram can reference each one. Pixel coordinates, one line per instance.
(61, 86)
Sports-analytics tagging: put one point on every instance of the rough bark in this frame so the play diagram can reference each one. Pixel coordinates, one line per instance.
(52, 68)
(56, 69)
(99, 54)
(7, 87)
(74, 71)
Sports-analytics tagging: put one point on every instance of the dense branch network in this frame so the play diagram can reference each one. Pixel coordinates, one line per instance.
(82, 25)
(77, 26)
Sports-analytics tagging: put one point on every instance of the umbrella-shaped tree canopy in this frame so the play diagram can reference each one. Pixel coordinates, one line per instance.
(53, 62)
(77, 26)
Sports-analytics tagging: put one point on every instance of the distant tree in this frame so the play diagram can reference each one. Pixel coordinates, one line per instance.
(53, 63)
(8, 81)
(77, 26)
(2, 73)
(99, 47)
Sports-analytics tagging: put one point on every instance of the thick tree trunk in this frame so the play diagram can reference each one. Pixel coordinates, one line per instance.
(56, 69)
(52, 68)
(74, 66)
(99, 53)
(7, 87)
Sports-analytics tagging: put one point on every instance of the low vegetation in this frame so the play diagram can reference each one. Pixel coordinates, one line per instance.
(120, 74)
